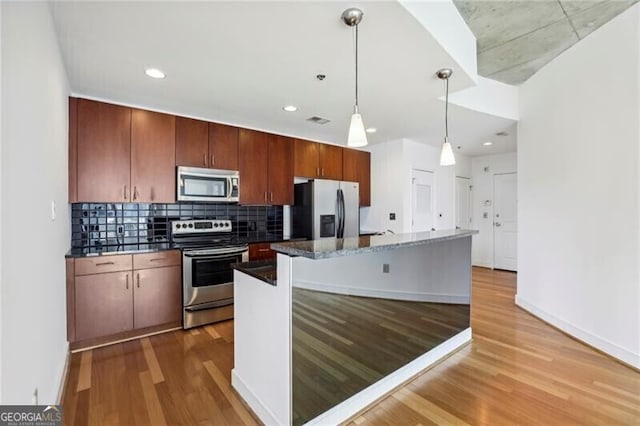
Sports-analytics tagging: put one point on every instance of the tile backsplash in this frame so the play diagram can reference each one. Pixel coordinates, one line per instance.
(106, 224)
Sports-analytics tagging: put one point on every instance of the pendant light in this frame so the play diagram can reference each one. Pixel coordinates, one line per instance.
(446, 156)
(357, 136)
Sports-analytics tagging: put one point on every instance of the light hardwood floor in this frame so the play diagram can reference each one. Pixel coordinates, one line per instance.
(517, 370)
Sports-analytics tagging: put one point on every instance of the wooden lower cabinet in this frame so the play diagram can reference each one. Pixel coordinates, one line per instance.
(103, 304)
(157, 299)
(261, 251)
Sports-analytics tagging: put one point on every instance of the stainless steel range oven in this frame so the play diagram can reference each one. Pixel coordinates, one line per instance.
(208, 251)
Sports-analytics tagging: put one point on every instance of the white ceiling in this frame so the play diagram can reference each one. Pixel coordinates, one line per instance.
(241, 62)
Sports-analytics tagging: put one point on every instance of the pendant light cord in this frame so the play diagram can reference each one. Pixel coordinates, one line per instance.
(356, 66)
(446, 109)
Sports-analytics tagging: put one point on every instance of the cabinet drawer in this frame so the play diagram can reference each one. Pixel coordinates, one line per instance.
(261, 251)
(157, 259)
(101, 264)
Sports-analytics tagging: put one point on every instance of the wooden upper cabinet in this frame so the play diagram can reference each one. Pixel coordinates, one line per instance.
(223, 146)
(280, 170)
(192, 142)
(103, 152)
(253, 148)
(73, 150)
(317, 160)
(357, 168)
(153, 157)
(330, 161)
(305, 158)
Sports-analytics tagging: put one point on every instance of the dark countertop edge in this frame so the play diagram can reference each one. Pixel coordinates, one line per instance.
(71, 255)
(249, 268)
(291, 250)
(109, 252)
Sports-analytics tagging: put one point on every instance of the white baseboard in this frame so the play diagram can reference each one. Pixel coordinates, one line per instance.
(482, 264)
(63, 378)
(383, 294)
(263, 413)
(369, 395)
(587, 337)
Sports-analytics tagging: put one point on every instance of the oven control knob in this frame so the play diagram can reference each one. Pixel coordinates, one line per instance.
(178, 226)
(191, 225)
(215, 225)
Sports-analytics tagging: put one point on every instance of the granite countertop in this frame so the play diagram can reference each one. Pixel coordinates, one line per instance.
(264, 270)
(107, 250)
(334, 247)
(121, 249)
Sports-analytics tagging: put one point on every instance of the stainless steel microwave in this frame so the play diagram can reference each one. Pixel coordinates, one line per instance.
(209, 185)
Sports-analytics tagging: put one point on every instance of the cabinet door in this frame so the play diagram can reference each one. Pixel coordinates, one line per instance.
(305, 159)
(280, 170)
(223, 147)
(330, 162)
(103, 304)
(157, 297)
(103, 152)
(73, 150)
(153, 157)
(253, 162)
(192, 142)
(357, 168)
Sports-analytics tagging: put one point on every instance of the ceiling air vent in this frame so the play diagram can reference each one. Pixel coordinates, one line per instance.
(318, 120)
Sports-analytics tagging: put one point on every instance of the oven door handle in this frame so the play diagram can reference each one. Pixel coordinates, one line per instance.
(213, 256)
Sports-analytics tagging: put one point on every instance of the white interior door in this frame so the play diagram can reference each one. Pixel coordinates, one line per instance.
(505, 224)
(463, 203)
(422, 194)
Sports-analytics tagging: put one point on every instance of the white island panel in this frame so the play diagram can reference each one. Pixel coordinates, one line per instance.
(262, 339)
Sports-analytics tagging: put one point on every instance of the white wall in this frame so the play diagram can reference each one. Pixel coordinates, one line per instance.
(391, 165)
(578, 185)
(34, 173)
(387, 175)
(482, 182)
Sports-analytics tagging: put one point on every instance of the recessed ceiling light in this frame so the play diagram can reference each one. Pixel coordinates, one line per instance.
(488, 143)
(290, 108)
(371, 130)
(154, 73)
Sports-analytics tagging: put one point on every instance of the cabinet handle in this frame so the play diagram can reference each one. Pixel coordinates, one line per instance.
(156, 259)
(265, 196)
(125, 192)
(263, 250)
(127, 281)
(317, 171)
(322, 172)
(204, 159)
(104, 263)
(272, 196)
(135, 192)
(138, 280)
(213, 159)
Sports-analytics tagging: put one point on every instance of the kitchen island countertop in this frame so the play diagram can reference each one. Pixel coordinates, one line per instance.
(334, 247)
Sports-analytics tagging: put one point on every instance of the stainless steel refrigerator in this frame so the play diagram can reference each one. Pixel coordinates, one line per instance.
(326, 209)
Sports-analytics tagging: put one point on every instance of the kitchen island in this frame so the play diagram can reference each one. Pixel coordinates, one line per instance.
(341, 322)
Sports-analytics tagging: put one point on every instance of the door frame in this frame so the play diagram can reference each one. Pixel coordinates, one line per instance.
(469, 201)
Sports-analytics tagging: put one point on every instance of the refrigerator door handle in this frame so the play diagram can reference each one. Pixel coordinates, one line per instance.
(341, 214)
